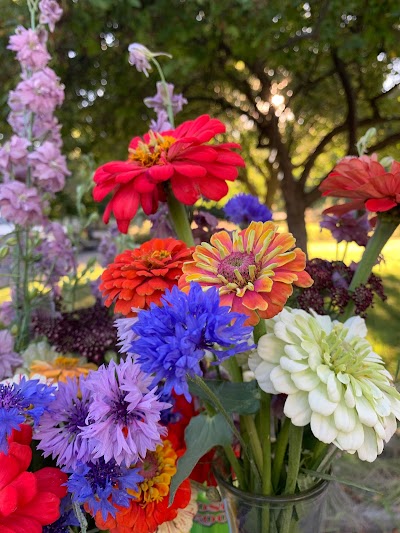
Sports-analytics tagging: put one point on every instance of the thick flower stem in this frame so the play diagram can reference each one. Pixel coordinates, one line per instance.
(180, 219)
(265, 437)
(383, 231)
(280, 451)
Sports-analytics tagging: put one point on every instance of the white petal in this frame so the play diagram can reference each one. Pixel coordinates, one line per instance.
(324, 372)
(390, 427)
(282, 381)
(270, 348)
(356, 326)
(254, 360)
(334, 388)
(380, 430)
(319, 402)
(369, 450)
(323, 428)
(292, 366)
(349, 397)
(297, 409)
(352, 441)
(324, 321)
(395, 403)
(366, 412)
(291, 335)
(262, 373)
(383, 406)
(306, 380)
(345, 417)
(295, 352)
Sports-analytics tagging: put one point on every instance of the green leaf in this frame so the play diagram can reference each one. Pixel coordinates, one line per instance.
(330, 477)
(241, 398)
(202, 434)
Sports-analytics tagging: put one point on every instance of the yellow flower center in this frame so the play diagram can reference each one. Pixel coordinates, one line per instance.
(238, 268)
(149, 154)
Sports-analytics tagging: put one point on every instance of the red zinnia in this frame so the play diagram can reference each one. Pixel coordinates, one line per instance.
(140, 277)
(365, 182)
(179, 156)
(28, 500)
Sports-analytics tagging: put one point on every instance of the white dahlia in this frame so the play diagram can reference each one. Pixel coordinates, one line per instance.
(332, 377)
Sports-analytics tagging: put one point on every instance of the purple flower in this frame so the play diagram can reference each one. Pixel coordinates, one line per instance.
(139, 57)
(124, 413)
(9, 360)
(49, 167)
(57, 255)
(162, 123)
(60, 428)
(161, 223)
(47, 127)
(206, 226)
(19, 204)
(102, 485)
(159, 101)
(30, 47)
(50, 13)
(107, 246)
(41, 93)
(125, 333)
(245, 208)
(7, 313)
(348, 227)
(174, 338)
(14, 153)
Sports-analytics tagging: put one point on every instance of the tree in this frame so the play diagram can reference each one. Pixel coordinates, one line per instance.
(298, 81)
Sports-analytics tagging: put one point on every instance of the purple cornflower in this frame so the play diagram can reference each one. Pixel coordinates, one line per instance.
(245, 208)
(60, 428)
(124, 413)
(102, 485)
(125, 333)
(20, 205)
(174, 338)
(56, 253)
(139, 57)
(159, 101)
(21, 402)
(30, 46)
(50, 13)
(161, 123)
(348, 227)
(9, 360)
(41, 93)
(49, 167)
(13, 153)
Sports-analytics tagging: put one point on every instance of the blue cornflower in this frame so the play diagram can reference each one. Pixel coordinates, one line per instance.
(244, 208)
(60, 427)
(175, 337)
(22, 402)
(103, 485)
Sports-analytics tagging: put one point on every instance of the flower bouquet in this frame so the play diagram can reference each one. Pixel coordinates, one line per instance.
(240, 365)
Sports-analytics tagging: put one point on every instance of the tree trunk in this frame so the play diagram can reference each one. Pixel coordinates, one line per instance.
(295, 210)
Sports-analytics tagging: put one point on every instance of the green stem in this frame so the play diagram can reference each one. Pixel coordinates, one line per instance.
(265, 437)
(319, 453)
(259, 330)
(235, 466)
(280, 451)
(384, 229)
(180, 219)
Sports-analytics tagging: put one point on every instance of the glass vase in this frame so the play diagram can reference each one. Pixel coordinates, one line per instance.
(252, 513)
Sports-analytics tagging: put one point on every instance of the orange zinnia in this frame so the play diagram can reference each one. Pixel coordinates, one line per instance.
(140, 277)
(254, 269)
(62, 368)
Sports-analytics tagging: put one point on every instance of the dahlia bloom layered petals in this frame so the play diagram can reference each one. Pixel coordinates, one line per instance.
(365, 182)
(178, 156)
(254, 269)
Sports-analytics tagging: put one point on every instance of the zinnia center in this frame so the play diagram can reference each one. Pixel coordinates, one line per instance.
(148, 154)
(238, 268)
(342, 356)
(150, 466)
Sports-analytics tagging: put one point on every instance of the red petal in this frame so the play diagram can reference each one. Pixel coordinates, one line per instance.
(380, 204)
(51, 479)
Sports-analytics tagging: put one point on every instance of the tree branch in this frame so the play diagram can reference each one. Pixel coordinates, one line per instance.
(390, 139)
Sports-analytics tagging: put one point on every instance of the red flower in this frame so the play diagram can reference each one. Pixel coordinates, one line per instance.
(140, 277)
(28, 500)
(179, 156)
(365, 182)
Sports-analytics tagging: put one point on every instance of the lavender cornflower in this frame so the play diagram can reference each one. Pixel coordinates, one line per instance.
(30, 46)
(20, 205)
(102, 485)
(50, 13)
(245, 208)
(9, 360)
(125, 333)
(124, 413)
(161, 123)
(41, 93)
(20, 402)
(60, 428)
(348, 227)
(174, 338)
(49, 167)
(160, 100)
(13, 153)
(139, 57)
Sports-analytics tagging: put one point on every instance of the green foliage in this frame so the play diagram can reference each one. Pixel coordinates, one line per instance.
(241, 398)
